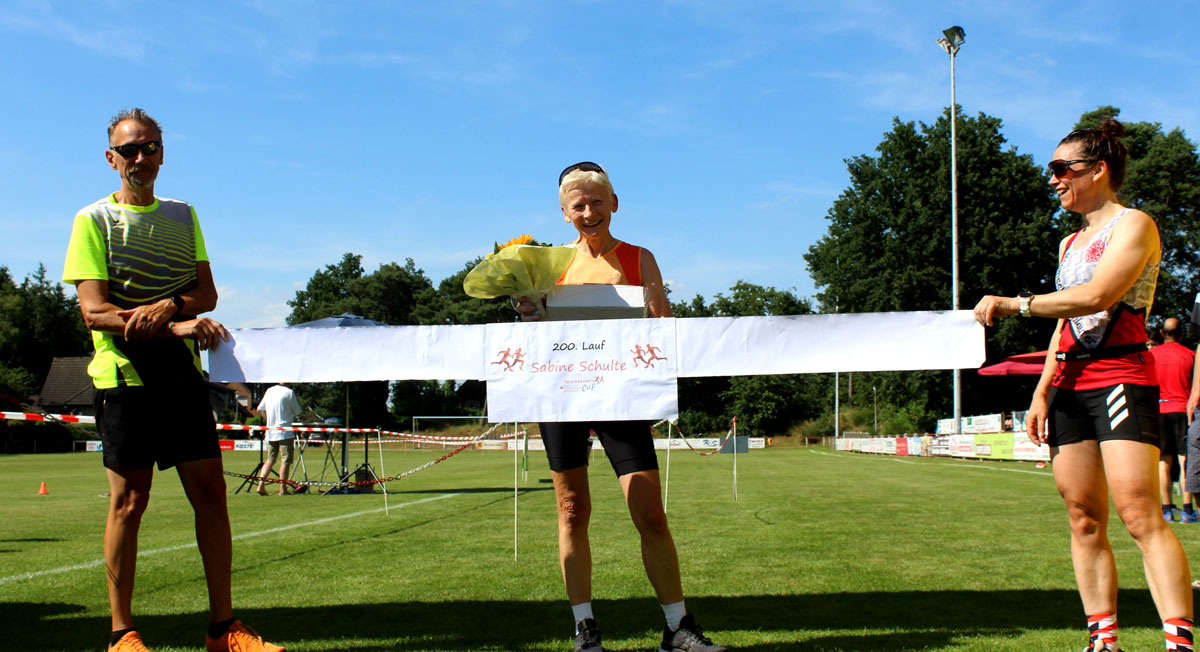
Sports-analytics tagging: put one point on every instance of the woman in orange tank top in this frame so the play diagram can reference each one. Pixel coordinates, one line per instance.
(588, 203)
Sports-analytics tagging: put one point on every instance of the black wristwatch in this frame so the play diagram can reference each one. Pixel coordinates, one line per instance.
(178, 301)
(1024, 299)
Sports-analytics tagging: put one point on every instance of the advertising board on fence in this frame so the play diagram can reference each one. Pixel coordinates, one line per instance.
(1023, 449)
(992, 446)
(962, 445)
(996, 446)
(983, 423)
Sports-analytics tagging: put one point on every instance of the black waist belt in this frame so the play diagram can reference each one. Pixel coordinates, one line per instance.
(1101, 354)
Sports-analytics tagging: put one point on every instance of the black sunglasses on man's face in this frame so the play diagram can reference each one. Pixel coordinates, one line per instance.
(130, 150)
(1059, 167)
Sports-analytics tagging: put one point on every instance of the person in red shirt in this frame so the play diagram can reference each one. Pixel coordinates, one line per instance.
(1176, 365)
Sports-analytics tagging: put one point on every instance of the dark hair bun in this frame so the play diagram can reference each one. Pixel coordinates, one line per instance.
(1112, 129)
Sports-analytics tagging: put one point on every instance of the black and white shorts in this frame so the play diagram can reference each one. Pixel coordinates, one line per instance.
(1124, 411)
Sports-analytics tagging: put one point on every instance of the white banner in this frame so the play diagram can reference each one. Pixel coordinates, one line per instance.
(710, 346)
(617, 369)
(881, 341)
(316, 355)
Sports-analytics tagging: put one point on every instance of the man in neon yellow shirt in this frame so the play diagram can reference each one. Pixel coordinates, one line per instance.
(142, 275)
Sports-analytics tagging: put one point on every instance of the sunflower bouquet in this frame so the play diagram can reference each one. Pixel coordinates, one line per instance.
(518, 268)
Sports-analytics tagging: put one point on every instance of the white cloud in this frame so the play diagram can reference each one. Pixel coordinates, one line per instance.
(39, 18)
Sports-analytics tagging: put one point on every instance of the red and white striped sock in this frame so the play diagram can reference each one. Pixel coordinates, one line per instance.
(1179, 634)
(1102, 631)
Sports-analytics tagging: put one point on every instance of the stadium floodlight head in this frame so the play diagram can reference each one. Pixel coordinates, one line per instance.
(955, 37)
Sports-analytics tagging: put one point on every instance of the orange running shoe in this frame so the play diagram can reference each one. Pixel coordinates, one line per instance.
(239, 638)
(130, 642)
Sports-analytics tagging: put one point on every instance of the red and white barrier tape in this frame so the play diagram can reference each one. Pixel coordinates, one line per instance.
(729, 434)
(429, 439)
(34, 416)
(311, 483)
(237, 426)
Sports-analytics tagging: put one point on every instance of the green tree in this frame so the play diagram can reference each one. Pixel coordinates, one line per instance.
(888, 243)
(452, 306)
(1163, 179)
(38, 322)
(392, 294)
(766, 405)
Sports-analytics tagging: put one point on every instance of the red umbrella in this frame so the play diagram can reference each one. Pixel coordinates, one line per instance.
(1024, 364)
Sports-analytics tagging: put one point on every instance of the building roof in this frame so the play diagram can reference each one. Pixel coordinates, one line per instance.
(68, 383)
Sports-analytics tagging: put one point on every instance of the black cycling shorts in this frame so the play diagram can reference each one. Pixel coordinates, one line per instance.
(143, 425)
(1123, 411)
(1173, 428)
(628, 444)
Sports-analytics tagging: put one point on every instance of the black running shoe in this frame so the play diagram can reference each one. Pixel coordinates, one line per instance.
(688, 638)
(587, 636)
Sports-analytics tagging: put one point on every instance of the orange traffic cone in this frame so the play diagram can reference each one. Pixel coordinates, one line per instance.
(43, 491)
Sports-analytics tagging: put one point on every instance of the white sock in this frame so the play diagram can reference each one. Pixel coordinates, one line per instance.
(674, 613)
(582, 611)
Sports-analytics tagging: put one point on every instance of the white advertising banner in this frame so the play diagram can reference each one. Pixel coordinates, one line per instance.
(1023, 449)
(962, 445)
(983, 423)
(709, 346)
(617, 369)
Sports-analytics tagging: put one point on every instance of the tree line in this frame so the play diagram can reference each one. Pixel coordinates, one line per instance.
(887, 248)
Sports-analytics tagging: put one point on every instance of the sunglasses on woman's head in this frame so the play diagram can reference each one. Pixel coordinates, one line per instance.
(586, 166)
(130, 150)
(1059, 167)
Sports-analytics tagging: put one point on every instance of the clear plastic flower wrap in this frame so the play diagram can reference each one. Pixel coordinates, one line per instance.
(518, 270)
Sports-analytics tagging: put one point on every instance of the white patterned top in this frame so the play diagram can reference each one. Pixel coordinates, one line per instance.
(1077, 267)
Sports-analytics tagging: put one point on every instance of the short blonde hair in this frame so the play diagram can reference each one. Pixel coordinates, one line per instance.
(580, 177)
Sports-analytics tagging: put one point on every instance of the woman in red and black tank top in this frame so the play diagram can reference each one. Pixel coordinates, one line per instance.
(1096, 404)
(588, 203)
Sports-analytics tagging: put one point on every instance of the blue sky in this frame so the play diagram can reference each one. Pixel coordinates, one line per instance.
(305, 130)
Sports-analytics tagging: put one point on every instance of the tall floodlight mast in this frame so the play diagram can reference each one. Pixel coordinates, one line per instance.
(954, 38)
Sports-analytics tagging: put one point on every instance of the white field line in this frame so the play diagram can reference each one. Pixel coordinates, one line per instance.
(183, 546)
(954, 464)
(993, 468)
(889, 458)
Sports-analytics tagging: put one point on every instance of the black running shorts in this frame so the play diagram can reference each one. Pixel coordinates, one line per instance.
(628, 444)
(1124, 411)
(1173, 427)
(143, 425)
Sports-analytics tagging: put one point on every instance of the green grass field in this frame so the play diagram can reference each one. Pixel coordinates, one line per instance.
(822, 551)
